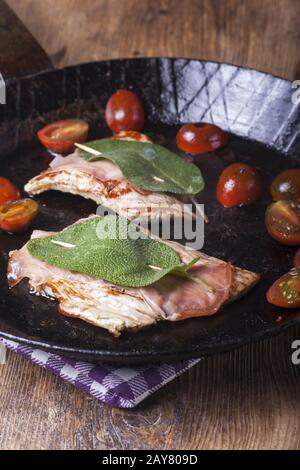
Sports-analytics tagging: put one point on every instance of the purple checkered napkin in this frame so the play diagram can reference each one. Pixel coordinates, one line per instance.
(122, 387)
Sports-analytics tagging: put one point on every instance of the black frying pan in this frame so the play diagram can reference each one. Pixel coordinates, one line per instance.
(254, 107)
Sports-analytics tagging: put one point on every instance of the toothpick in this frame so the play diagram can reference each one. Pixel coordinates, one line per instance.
(65, 245)
(155, 268)
(160, 180)
(200, 210)
(88, 149)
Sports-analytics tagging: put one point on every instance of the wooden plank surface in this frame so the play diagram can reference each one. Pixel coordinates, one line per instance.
(264, 34)
(247, 399)
(19, 51)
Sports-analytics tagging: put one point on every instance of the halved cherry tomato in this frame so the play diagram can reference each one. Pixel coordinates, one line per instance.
(285, 292)
(286, 185)
(61, 136)
(283, 222)
(200, 138)
(132, 135)
(18, 215)
(297, 259)
(238, 185)
(124, 112)
(8, 191)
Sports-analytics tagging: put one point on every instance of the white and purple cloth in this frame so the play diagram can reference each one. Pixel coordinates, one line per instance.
(121, 387)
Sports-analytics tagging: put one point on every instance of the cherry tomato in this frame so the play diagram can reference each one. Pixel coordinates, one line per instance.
(124, 112)
(8, 191)
(61, 136)
(286, 185)
(285, 292)
(200, 138)
(283, 222)
(18, 215)
(297, 259)
(132, 135)
(238, 185)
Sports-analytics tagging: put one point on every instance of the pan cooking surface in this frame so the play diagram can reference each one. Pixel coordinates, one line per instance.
(236, 234)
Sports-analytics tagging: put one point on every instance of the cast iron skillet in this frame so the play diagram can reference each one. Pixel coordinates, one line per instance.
(254, 107)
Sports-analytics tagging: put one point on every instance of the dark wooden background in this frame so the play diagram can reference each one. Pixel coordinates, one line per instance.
(264, 34)
(246, 399)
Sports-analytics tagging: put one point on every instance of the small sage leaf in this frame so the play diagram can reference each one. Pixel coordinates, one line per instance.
(149, 166)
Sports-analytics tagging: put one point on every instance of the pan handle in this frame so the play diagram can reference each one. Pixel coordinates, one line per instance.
(20, 54)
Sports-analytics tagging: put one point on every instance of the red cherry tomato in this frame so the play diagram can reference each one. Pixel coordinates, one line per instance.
(124, 112)
(297, 259)
(200, 138)
(18, 215)
(238, 185)
(61, 136)
(286, 185)
(283, 222)
(285, 292)
(132, 135)
(8, 191)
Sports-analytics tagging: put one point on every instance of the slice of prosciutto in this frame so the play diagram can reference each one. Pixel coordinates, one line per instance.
(116, 308)
(103, 182)
(178, 298)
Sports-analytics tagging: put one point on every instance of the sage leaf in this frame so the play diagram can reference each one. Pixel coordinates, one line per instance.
(100, 247)
(149, 166)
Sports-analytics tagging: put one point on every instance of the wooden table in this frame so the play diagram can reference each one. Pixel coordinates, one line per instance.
(246, 399)
(19, 53)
